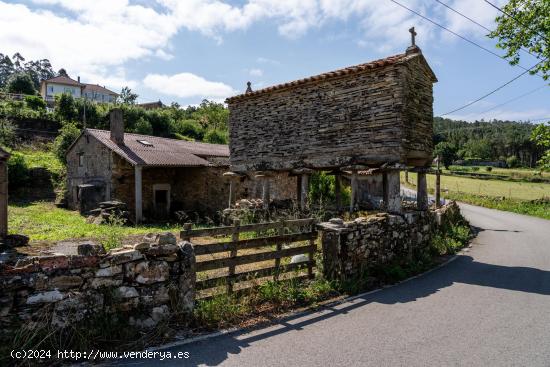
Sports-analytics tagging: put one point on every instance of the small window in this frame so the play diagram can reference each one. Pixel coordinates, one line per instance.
(81, 160)
(146, 143)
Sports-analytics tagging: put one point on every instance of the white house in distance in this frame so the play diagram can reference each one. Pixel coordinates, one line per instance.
(49, 88)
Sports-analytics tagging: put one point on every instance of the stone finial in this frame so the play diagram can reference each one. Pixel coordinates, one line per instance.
(413, 36)
(248, 87)
(413, 48)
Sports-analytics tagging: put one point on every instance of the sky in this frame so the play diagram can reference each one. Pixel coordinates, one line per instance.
(189, 50)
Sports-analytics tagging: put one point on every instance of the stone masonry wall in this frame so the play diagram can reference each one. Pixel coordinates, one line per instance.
(142, 284)
(358, 118)
(350, 248)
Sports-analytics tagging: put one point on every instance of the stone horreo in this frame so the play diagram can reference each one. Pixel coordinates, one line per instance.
(371, 119)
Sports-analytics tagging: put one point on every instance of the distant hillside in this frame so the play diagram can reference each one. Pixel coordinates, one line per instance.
(488, 140)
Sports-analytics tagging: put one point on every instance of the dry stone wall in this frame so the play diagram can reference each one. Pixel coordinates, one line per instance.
(350, 248)
(142, 284)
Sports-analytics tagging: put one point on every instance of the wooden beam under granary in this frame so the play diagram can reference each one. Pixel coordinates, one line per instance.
(374, 115)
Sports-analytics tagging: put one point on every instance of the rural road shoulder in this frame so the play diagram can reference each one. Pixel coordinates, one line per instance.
(489, 307)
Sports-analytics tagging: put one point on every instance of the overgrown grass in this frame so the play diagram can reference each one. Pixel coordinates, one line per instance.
(43, 221)
(537, 208)
(224, 310)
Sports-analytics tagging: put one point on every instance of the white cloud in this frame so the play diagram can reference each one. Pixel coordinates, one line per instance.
(256, 72)
(187, 85)
(98, 38)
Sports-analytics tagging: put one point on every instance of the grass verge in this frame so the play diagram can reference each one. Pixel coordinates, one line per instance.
(43, 221)
(537, 208)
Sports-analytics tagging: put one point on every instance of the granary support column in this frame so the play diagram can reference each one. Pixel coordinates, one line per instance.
(392, 190)
(421, 190)
(264, 178)
(338, 191)
(354, 193)
(233, 181)
(304, 191)
(138, 193)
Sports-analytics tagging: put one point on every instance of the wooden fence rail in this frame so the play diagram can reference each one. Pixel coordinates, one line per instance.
(300, 230)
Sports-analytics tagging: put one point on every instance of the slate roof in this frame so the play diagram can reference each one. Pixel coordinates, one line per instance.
(98, 88)
(162, 151)
(63, 80)
(391, 60)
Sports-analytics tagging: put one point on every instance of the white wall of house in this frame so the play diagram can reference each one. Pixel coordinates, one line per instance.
(53, 89)
(99, 97)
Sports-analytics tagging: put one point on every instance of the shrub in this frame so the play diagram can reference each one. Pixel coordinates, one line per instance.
(8, 136)
(65, 108)
(215, 137)
(190, 128)
(143, 127)
(18, 171)
(35, 103)
(512, 161)
(488, 168)
(67, 135)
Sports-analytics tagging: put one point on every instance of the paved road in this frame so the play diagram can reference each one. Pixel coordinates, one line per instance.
(489, 307)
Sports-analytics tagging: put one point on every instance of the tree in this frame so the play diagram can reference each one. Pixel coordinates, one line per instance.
(65, 108)
(67, 135)
(20, 83)
(541, 137)
(447, 152)
(6, 69)
(127, 97)
(215, 137)
(524, 25)
(62, 72)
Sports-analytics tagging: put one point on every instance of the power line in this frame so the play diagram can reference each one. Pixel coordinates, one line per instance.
(492, 92)
(515, 98)
(453, 32)
(477, 23)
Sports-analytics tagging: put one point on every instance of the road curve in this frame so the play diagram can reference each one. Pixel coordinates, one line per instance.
(489, 307)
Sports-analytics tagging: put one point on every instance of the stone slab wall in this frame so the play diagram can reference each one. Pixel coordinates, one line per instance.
(143, 284)
(349, 248)
(367, 117)
(95, 168)
(194, 189)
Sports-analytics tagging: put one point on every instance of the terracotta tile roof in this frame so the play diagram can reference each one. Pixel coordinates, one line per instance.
(348, 70)
(161, 151)
(98, 88)
(63, 80)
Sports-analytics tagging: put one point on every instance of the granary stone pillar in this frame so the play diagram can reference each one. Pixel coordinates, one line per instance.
(354, 193)
(304, 191)
(233, 179)
(138, 193)
(421, 190)
(265, 180)
(338, 191)
(392, 191)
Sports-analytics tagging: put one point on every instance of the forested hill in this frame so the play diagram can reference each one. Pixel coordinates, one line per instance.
(488, 140)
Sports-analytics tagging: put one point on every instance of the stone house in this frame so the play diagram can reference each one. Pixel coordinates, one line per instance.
(377, 115)
(49, 88)
(155, 176)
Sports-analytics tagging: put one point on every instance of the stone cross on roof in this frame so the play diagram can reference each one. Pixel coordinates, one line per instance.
(248, 87)
(413, 35)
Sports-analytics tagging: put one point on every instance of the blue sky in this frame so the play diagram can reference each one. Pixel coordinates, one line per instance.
(188, 50)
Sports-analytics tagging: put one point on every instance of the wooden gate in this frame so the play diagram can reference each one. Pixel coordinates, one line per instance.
(281, 239)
